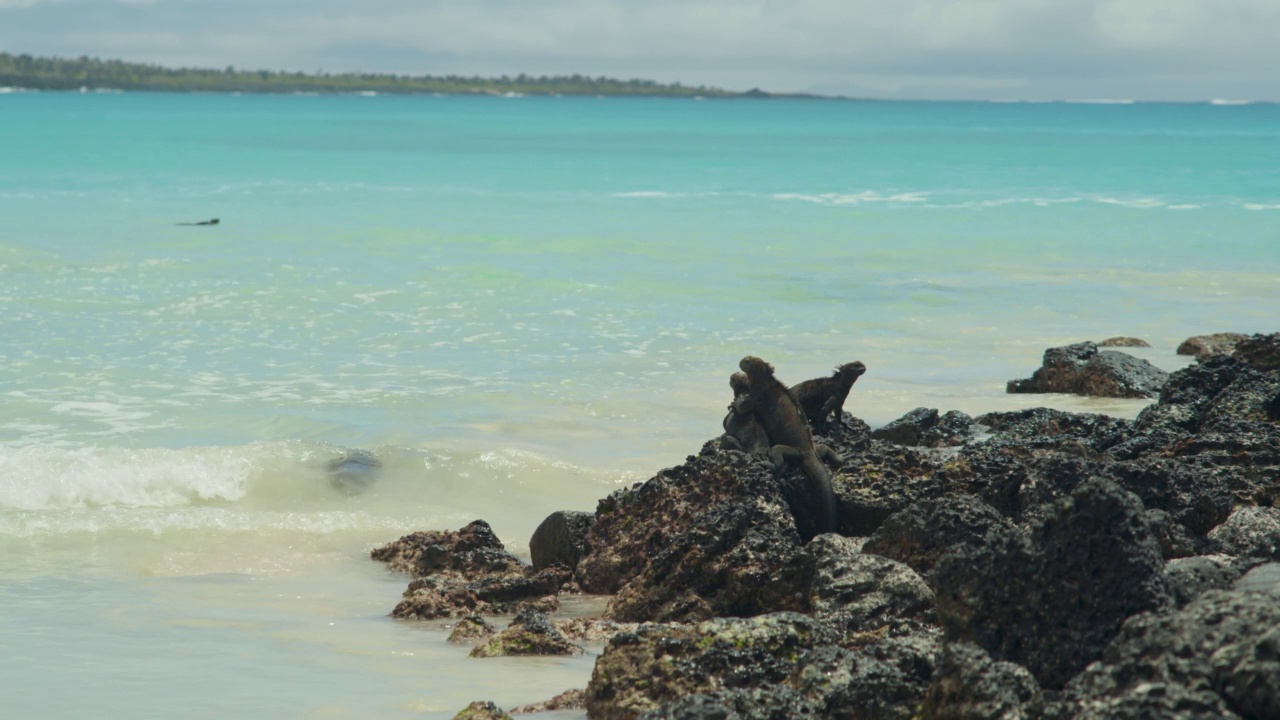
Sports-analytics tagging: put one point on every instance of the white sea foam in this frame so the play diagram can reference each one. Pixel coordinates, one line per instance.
(1100, 101)
(1262, 206)
(650, 194)
(50, 478)
(1222, 101)
(869, 196)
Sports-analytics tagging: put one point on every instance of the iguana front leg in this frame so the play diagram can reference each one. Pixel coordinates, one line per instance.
(832, 405)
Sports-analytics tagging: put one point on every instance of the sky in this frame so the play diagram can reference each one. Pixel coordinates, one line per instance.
(943, 49)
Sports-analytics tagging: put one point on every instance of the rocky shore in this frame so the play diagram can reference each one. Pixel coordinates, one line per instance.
(1030, 564)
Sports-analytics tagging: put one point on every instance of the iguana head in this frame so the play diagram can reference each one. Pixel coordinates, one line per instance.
(850, 371)
(738, 381)
(754, 367)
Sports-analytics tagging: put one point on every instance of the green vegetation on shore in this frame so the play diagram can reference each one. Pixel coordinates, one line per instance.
(36, 73)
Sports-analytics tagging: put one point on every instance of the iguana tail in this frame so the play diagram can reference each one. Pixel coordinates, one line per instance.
(821, 492)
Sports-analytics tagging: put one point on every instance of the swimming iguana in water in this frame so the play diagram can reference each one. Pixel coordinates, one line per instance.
(783, 420)
(823, 398)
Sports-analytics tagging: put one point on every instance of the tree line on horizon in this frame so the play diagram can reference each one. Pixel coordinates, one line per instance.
(40, 73)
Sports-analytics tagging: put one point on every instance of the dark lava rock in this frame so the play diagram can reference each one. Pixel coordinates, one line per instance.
(636, 524)
(1188, 577)
(470, 552)
(531, 633)
(481, 710)
(1261, 352)
(440, 596)
(878, 479)
(744, 559)
(1174, 539)
(968, 684)
(884, 680)
(953, 428)
(920, 534)
(560, 538)
(1204, 346)
(658, 664)
(1250, 532)
(1197, 501)
(745, 704)
(1124, 342)
(908, 429)
(567, 700)
(1084, 434)
(1052, 600)
(1217, 657)
(471, 629)
(1082, 369)
(858, 593)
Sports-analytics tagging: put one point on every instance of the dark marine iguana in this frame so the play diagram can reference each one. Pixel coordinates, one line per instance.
(823, 398)
(783, 420)
(742, 429)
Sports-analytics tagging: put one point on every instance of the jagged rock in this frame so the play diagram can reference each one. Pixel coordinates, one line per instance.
(920, 534)
(481, 710)
(1261, 352)
(969, 684)
(1197, 501)
(1216, 657)
(743, 559)
(746, 704)
(1046, 429)
(1204, 346)
(658, 664)
(638, 523)
(884, 680)
(954, 428)
(1174, 539)
(1122, 341)
(1188, 577)
(1082, 369)
(1155, 700)
(1263, 578)
(879, 479)
(471, 629)
(858, 592)
(531, 633)
(560, 538)
(1052, 600)
(567, 700)
(908, 429)
(467, 553)
(1250, 532)
(592, 630)
(440, 596)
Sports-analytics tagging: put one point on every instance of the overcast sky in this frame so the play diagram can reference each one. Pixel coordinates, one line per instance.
(1028, 49)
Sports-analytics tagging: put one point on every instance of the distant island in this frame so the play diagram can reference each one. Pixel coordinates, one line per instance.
(39, 73)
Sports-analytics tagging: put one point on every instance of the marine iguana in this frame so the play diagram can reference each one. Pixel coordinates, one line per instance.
(742, 429)
(214, 221)
(823, 398)
(783, 420)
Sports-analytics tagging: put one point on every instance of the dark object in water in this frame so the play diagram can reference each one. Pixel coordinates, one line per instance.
(213, 221)
(354, 472)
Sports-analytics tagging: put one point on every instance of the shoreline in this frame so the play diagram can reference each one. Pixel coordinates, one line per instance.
(706, 555)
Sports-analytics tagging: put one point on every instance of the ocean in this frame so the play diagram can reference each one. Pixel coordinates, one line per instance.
(518, 305)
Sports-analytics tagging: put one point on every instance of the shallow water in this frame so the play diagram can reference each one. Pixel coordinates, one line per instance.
(517, 305)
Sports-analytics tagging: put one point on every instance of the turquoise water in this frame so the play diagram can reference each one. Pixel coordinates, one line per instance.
(517, 303)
